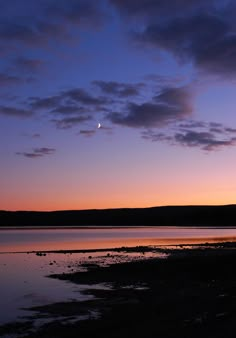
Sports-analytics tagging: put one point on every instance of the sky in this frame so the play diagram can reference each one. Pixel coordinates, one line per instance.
(117, 103)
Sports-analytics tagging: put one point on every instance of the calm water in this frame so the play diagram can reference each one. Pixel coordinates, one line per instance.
(22, 273)
(30, 239)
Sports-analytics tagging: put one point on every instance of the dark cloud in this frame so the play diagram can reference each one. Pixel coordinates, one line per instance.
(35, 135)
(10, 31)
(77, 105)
(69, 122)
(67, 101)
(187, 37)
(119, 89)
(91, 132)
(105, 128)
(158, 8)
(37, 152)
(31, 135)
(165, 80)
(230, 130)
(69, 109)
(216, 130)
(204, 39)
(215, 125)
(192, 124)
(44, 103)
(27, 64)
(88, 132)
(204, 140)
(79, 12)
(33, 33)
(80, 95)
(150, 135)
(170, 104)
(199, 135)
(199, 32)
(36, 24)
(8, 80)
(15, 112)
(219, 57)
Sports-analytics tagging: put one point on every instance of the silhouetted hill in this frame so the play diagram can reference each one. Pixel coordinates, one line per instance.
(159, 216)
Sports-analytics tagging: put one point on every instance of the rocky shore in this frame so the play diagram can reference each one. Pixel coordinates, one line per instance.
(192, 293)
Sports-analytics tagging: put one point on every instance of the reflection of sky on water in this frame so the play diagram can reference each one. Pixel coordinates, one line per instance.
(93, 238)
(23, 282)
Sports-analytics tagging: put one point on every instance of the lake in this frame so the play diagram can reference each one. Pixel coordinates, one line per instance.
(23, 270)
(76, 238)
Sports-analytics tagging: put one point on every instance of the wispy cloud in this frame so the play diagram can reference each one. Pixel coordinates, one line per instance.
(69, 122)
(75, 106)
(119, 89)
(170, 104)
(15, 112)
(37, 152)
(147, 9)
(88, 132)
(47, 21)
(205, 140)
(7, 79)
(27, 64)
(31, 135)
(195, 134)
(163, 115)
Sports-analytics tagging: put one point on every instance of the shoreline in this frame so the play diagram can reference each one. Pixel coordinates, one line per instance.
(180, 244)
(191, 293)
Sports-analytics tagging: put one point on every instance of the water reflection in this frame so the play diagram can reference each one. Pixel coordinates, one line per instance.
(16, 240)
(23, 283)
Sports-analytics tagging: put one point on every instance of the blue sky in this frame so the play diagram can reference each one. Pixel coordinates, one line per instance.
(159, 76)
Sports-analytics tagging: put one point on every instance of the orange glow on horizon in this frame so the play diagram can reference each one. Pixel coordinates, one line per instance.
(109, 244)
(123, 185)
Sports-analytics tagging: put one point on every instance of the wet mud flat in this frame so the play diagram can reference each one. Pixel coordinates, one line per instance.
(192, 293)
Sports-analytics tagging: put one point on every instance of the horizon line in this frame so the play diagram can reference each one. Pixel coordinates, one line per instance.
(124, 208)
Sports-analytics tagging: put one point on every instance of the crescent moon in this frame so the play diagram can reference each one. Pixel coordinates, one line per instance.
(99, 125)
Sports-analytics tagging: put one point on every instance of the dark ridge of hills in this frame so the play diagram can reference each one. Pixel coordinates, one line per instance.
(224, 215)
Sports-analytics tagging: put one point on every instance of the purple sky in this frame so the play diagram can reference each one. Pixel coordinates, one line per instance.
(158, 75)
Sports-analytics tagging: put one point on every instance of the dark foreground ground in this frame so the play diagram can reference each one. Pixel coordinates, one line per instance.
(190, 294)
